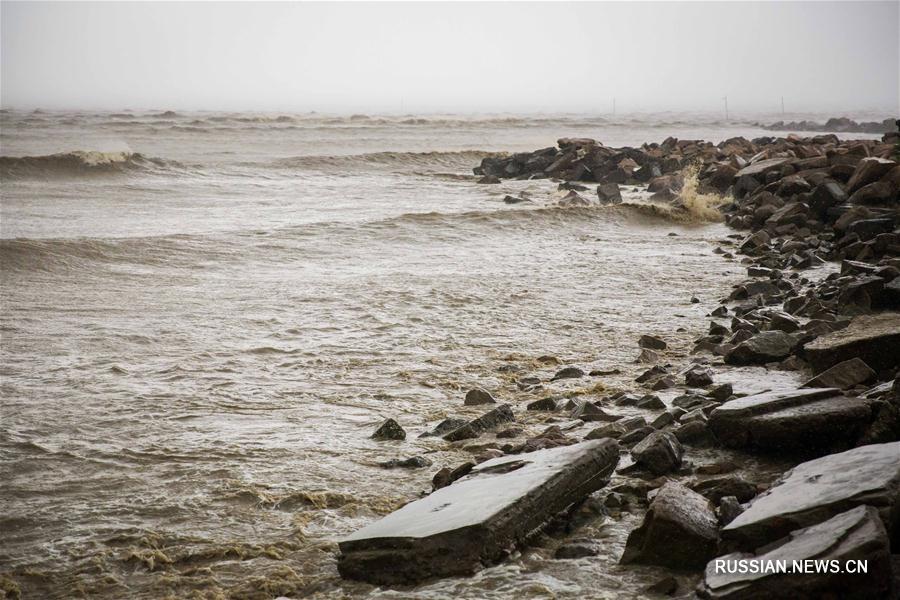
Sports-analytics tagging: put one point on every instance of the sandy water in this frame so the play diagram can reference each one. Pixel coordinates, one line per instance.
(198, 339)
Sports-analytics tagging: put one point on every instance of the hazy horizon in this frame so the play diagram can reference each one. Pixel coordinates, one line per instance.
(420, 58)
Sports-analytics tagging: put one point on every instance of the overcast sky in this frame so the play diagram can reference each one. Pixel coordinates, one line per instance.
(460, 57)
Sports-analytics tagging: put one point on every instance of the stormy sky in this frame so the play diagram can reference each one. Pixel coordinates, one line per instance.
(459, 57)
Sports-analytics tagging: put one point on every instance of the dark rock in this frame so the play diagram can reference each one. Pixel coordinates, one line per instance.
(389, 430)
(510, 432)
(660, 453)
(869, 170)
(651, 342)
(489, 179)
(414, 462)
(679, 531)
(459, 529)
(873, 339)
(478, 396)
(721, 392)
(651, 402)
(716, 488)
(647, 356)
(568, 373)
(811, 421)
(588, 412)
(698, 377)
(547, 404)
(446, 476)
(815, 491)
(843, 375)
(472, 429)
(694, 433)
(514, 199)
(764, 347)
(609, 193)
(445, 426)
(728, 510)
(855, 535)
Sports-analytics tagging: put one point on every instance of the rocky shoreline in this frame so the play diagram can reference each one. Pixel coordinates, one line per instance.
(835, 125)
(817, 223)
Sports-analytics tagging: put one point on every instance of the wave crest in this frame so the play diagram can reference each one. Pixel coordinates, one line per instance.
(79, 163)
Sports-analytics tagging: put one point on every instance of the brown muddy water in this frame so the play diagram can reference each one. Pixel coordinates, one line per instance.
(205, 316)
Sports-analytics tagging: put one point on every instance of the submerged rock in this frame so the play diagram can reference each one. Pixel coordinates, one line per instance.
(815, 491)
(459, 529)
(680, 531)
(857, 534)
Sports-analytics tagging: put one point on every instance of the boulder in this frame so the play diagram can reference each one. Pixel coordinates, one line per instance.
(842, 375)
(874, 339)
(478, 396)
(815, 491)
(568, 373)
(660, 453)
(546, 404)
(760, 168)
(679, 531)
(460, 528)
(854, 535)
(764, 347)
(809, 421)
(698, 377)
(472, 429)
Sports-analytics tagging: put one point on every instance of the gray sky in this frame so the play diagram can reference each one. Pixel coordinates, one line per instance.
(451, 57)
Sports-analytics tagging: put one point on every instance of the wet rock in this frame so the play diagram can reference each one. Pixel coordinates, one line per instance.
(546, 404)
(728, 510)
(514, 199)
(873, 339)
(660, 453)
(811, 421)
(647, 356)
(663, 383)
(764, 347)
(389, 430)
(446, 475)
(609, 193)
(577, 550)
(568, 373)
(698, 377)
(857, 534)
(472, 429)
(650, 402)
(414, 462)
(721, 392)
(459, 529)
(589, 412)
(610, 430)
(679, 531)
(478, 396)
(843, 375)
(867, 171)
(815, 491)
(716, 488)
(445, 426)
(695, 433)
(636, 435)
(651, 342)
(651, 373)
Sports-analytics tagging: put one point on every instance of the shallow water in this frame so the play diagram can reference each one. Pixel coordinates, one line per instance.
(198, 341)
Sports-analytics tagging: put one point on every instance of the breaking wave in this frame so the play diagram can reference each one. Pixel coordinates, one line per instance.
(80, 163)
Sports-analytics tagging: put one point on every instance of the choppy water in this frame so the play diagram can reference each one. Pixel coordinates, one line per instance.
(205, 316)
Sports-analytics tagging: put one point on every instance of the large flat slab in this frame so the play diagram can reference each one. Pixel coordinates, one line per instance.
(473, 522)
(873, 338)
(815, 491)
(809, 421)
